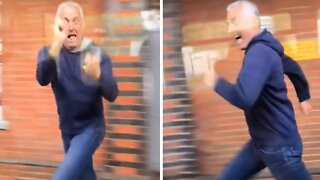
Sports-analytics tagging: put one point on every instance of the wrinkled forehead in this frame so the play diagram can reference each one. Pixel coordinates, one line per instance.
(70, 13)
(235, 13)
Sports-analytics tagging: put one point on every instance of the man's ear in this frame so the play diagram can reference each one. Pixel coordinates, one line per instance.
(258, 21)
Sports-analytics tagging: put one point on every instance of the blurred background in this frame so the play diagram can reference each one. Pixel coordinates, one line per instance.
(128, 30)
(202, 132)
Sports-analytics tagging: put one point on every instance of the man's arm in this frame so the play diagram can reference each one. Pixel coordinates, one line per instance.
(299, 81)
(297, 77)
(46, 67)
(47, 57)
(107, 81)
(252, 78)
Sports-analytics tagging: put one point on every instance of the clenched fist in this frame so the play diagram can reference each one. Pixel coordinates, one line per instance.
(60, 35)
(91, 65)
(306, 107)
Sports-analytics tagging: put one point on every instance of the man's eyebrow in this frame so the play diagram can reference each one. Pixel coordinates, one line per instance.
(67, 19)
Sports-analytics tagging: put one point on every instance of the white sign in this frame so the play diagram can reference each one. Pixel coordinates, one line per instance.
(151, 20)
(201, 61)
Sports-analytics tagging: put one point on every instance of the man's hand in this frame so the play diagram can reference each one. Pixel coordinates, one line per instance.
(210, 79)
(203, 81)
(305, 107)
(91, 65)
(60, 35)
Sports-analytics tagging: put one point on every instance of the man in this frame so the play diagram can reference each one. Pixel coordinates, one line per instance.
(261, 92)
(80, 75)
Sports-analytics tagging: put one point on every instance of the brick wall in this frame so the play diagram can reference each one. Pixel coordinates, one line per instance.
(220, 128)
(179, 153)
(126, 125)
(32, 147)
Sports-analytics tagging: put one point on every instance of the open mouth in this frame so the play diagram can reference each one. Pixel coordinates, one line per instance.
(72, 36)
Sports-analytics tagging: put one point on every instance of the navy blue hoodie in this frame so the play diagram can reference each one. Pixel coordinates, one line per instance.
(79, 99)
(260, 90)
(293, 70)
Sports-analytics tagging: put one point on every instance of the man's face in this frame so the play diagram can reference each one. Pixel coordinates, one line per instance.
(241, 27)
(74, 25)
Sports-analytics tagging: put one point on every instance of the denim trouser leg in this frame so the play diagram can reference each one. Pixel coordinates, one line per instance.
(79, 149)
(89, 173)
(284, 162)
(244, 165)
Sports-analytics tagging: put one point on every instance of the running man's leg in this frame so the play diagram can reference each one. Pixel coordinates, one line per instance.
(284, 162)
(79, 155)
(89, 173)
(244, 165)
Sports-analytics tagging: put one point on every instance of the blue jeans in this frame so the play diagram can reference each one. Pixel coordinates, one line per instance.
(284, 163)
(79, 149)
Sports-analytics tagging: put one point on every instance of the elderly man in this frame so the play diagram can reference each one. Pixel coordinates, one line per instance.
(80, 75)
(260, 91)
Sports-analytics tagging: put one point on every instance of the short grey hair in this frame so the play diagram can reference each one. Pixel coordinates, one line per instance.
(69, 4)
(250, 7)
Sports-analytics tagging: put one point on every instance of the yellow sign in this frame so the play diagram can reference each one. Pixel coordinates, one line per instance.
(300, 50)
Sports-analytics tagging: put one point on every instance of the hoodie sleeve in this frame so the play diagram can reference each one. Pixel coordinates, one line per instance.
(297, 77)
(251, 80)
(46, 67)
(108, 83)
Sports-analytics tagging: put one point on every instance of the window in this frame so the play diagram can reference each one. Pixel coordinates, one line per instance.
(266, 22)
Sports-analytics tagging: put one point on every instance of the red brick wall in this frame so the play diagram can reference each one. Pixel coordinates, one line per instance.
(221, 128)
(126, 145)
(179, 152)
(12, 172)
(34, 136)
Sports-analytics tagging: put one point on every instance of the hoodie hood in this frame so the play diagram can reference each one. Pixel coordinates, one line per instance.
(266, 38)
(86, 43)
(85, 46)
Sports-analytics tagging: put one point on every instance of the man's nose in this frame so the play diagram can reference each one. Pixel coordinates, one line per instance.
(71, 27)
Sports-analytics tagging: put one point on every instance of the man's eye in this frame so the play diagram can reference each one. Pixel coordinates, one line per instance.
(76, 21)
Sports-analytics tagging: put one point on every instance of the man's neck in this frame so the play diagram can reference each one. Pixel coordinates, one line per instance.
(75, 49)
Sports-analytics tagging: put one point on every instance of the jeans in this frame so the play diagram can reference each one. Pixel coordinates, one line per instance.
(79, 149)
(284, 162)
